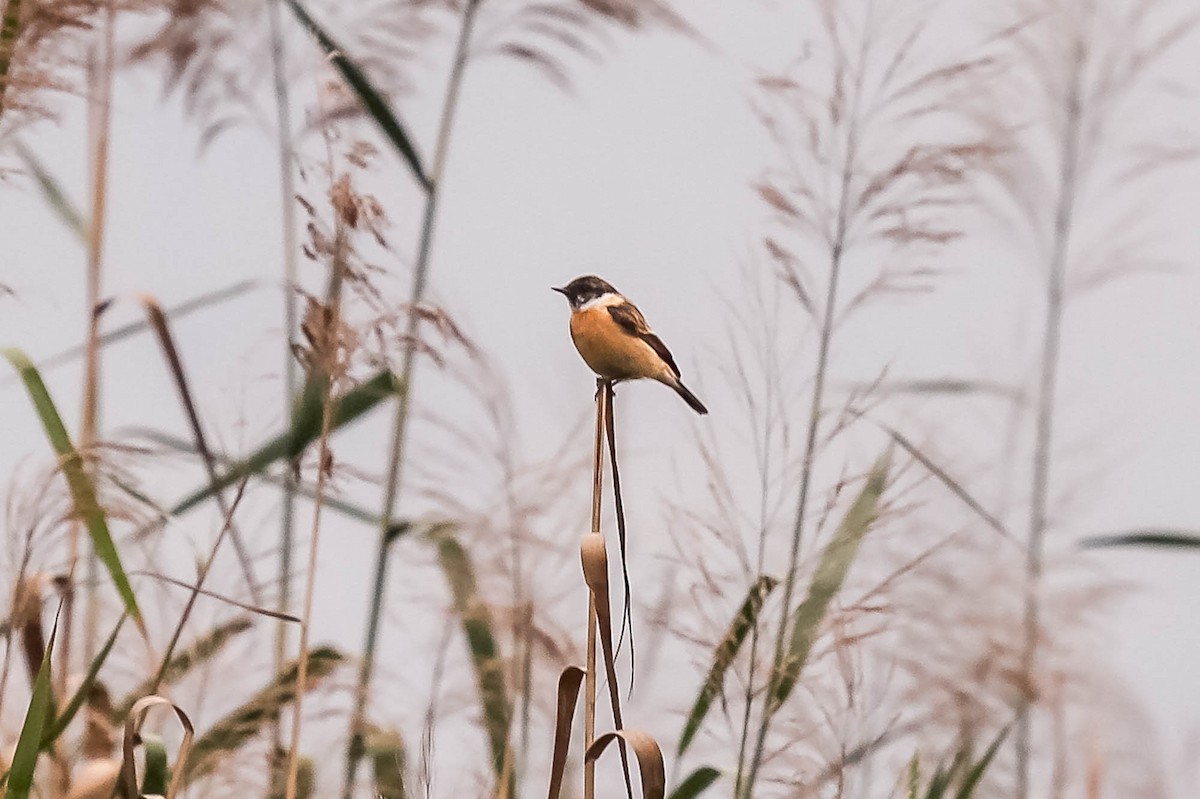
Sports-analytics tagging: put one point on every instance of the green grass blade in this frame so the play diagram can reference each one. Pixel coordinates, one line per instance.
(29, 744)
(246, 722)
(971, 781)
(1157, 539)
(306, 428)
(481, 641)
(53, 191)
(913, 777)
(386, 749)
(395, 529)
(831, 572)
(85, 688)
(306, 778)
(157, 774)
(83, 492)
(368, 95)
(696, 783)
(202, 650)
(10, 32)
(724, 654)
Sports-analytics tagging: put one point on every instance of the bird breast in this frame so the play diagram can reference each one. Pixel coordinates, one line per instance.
(609, 351)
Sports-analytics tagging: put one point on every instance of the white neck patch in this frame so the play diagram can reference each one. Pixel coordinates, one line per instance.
(607, 298)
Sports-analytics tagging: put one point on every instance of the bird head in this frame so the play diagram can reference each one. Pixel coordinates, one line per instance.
(583, 290)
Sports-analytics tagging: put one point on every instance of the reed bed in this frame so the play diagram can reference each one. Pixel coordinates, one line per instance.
(828, 600)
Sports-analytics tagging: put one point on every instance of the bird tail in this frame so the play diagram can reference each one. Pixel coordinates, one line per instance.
(689, 397)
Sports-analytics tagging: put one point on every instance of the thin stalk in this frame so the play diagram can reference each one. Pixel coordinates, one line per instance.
(589, 697)
(100, 122)
(400, 422)
(197, 589)
(313, 550)
(764, 471)
(1043, 439)
(837, 250)
(287, 193)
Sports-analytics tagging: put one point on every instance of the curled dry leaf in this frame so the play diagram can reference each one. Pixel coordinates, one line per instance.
(649, 757)
(568, 696)
(136, 716)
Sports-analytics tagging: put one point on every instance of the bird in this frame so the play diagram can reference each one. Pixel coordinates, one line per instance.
(614, 340)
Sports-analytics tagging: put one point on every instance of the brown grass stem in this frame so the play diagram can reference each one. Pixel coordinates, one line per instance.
(323, 458)
(1047, 383)
(400, 421)
(590, 682)
(99, 118)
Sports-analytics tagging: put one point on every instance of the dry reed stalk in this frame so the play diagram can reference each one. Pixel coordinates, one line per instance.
(400, 421)
(590, 675)
(328, 361)
(1079, 155)
(287, 195)
(99, 118)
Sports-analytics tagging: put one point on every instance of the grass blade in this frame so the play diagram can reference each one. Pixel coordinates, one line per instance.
(83, 492)
(696, 783)
(137, 715)
(157, 773)
(53, 191)
(649, 757)
(306, 428)
(377, 107)
(10, 31)
(203, 650)
(247, 721)
(564, 714)
(593, 555)
(831, 572)
(388, 758)
(481, 641)
(971, 781)
(24, 760)
(85, 688)
(133, 328)
(1161, 539)
(166, 342)
(724, 654)
(349, 509)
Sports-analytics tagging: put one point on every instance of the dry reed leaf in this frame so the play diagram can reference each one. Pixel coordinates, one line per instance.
(26, 617)
(649, 757)
(564, 714)
(137, 716)
(594, 555)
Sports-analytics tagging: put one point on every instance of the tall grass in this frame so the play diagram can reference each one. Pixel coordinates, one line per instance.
(1078, 63)
(843, 641)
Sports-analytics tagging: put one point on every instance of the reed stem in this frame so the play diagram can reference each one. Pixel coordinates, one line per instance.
(590, 681)
(1044, 434)
(829, 315)
(355, 749)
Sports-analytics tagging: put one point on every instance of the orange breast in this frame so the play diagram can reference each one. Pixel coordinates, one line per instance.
(611, 352)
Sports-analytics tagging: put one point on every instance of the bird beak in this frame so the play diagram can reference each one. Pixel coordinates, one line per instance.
(559, 290)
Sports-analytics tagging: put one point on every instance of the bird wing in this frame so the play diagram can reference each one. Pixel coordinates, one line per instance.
(630, 319)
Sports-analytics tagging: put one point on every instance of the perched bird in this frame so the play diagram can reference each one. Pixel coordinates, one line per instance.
(612, 336)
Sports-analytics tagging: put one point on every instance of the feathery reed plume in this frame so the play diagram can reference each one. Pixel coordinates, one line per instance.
(1082, 66)
(876, 154)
